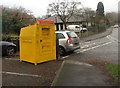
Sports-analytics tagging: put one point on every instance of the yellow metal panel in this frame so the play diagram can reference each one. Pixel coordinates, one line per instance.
(27, 44)
(38, 42)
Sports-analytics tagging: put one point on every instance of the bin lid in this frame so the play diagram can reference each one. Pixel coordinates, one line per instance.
(45, 22)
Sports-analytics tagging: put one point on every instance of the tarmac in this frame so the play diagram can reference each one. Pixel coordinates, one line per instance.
(75, 73)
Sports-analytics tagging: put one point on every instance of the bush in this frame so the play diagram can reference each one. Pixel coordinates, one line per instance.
(92, 29)
(6, 38)
(101, 27)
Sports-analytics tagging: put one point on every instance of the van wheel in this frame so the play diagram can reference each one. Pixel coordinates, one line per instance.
(61, 51)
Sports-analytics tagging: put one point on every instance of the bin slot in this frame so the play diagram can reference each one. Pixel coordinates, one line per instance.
(45, 32)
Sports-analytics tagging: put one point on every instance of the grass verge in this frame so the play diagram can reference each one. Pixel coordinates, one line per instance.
(88, 33)
(114, 71)
(13, 35)
(85, 34)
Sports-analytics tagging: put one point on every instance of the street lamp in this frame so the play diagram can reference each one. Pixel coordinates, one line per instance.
(94, 20)
(55, 19)
(56, 23)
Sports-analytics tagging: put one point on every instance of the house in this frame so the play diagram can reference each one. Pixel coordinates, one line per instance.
(75, 20)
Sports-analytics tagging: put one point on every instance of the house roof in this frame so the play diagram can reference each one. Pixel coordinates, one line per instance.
(74, 18)
(55, 19)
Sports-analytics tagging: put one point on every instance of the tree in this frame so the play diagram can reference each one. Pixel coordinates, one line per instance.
(43, 17)
(88, 14)
(64, 10)
(100, 12)
(100, 18)
(112, 17)
(100, 9)
(13, 19)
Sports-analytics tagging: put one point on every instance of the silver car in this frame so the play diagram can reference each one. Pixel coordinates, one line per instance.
(68, 41)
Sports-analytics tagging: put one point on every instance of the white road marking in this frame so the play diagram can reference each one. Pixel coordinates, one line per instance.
(65, 57)
(109, 38)
(11, 59)
(87, 42)
(112, 38)
(86, 46)
(77, 63)
(94, 47)
(21, 74)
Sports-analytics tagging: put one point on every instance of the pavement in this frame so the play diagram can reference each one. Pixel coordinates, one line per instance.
(76, 73)
(79, 74)
(96, 36)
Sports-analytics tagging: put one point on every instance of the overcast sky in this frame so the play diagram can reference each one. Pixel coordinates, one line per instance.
(39, 7)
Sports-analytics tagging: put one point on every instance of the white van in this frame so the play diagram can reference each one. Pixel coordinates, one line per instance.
(76, 28)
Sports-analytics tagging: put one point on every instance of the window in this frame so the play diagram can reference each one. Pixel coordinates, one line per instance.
(71, 35)
(77, 27)
(60, 36)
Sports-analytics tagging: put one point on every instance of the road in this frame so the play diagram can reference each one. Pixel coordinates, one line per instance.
(85, 66)
(103, 49)
(24, 74)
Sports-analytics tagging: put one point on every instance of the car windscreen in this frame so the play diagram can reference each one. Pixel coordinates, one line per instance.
(72, 35)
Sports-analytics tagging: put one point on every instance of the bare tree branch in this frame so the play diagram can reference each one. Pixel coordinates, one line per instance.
(64, 10)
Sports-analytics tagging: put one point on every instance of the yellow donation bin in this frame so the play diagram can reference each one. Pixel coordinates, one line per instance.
(38, 42)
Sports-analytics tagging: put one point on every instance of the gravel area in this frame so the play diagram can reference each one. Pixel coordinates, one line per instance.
(46, 70)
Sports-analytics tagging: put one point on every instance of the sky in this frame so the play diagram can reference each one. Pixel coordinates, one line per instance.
(39, 7)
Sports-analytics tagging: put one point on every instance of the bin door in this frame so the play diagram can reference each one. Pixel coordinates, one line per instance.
(46, 44)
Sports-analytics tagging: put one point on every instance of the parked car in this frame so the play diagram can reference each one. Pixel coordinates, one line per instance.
(7, 48)
(68, 41)
(76, 28)
(116, 26)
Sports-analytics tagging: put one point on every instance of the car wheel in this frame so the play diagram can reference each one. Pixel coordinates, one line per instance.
(62, 51)
(10, 51)
(81, 31)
